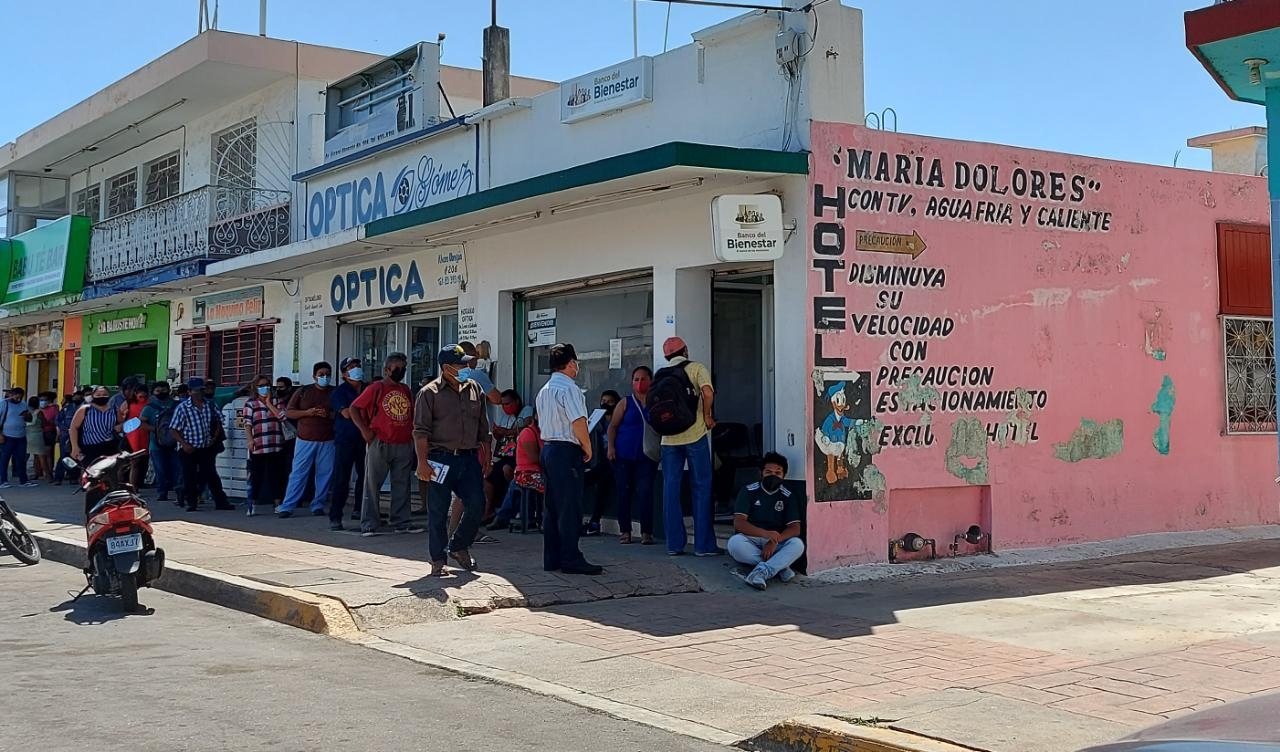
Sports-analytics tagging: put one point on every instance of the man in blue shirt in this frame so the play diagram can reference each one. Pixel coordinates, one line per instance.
(14, 417)
(566, 449)
(349, 445)
(156, 417)
(196, 426)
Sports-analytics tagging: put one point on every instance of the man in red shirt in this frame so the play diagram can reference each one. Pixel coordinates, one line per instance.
(384, 414)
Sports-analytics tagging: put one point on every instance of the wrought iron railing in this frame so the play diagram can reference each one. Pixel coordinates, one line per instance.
(212, 222)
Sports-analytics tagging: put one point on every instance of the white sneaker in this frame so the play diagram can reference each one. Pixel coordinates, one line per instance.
(6, 484)
(757, 579)
(787, 575)
(30, 484)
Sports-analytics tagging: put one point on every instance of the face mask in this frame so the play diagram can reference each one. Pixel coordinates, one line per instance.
(397, 374)
(608, 408)
(511, 409)
(464, 374)
(642, 387)
(322, 381)
(771, 483)
(162, 395)
(44, 403)
(356, 374)
(282, 390)
(264, 390)
(101, 400)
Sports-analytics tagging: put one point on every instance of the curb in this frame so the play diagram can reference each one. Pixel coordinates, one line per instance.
(820, 733)
(285, 605)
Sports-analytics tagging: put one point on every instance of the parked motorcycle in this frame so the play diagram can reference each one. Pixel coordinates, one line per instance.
(15, 536)
(122, 550)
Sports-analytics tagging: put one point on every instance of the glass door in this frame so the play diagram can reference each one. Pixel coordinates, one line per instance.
(425, 337)
(373, 343)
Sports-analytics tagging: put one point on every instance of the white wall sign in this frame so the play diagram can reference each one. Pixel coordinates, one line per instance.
(607, 90)
(419, 278)
(615, 353)
(747, 228)
(542, 327)
(401, 180)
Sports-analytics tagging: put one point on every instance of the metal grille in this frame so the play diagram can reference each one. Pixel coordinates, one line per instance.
(164, 176)
(235, 165)
(122, 194)
(1251, 363)
(247, 352)
(195, 355)
(88, 203)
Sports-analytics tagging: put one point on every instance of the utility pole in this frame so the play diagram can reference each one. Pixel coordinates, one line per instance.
(262, 18)
(635, 28)
(497, 60)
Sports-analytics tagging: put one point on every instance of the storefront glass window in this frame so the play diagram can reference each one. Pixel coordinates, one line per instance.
(374, 344)
(598, 323)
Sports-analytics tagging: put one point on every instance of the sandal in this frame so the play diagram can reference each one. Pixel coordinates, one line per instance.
(624, 538)
(487, 539)
(437, 569)
(464, 560)
(646, 539)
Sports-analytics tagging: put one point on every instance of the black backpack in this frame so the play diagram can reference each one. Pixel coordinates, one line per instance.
(672, 401)
(163, 428)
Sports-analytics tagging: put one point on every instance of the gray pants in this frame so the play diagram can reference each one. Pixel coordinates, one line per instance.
(379, 460)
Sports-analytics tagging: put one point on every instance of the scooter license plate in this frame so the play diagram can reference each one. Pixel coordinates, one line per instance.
(124, 544)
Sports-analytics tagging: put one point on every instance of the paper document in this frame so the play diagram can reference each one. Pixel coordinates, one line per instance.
(441, 471)
(594, 419)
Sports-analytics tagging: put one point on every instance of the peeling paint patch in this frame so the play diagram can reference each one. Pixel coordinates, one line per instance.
(1018, 422)
(914, 396)
(1138, 284)
(1091, 296)
(1156, 333)
(1092, 441)
(1163, 407)
(1042, 297)
(874, 483)
(966, 456)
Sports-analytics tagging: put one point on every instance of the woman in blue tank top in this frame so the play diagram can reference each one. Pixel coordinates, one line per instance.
(633, 471)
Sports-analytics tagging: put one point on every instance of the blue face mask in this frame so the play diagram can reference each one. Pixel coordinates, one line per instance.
(44, 403)
(356, 374)
(464, 374)
(322, 381)
(264, 391)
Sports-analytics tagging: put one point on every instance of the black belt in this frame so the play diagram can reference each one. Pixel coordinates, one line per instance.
(453, 452)
(573, 444)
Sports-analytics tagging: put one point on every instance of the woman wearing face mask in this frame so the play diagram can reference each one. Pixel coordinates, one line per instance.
(633, 471)
(139, 438)
(70, 405)
(264, 434)
(93, 430)
(49, 406)
(36, 448)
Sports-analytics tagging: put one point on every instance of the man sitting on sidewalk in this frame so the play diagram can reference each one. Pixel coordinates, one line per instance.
(766, 518)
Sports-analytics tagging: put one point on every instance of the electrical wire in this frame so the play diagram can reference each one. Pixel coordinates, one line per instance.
(722, 4)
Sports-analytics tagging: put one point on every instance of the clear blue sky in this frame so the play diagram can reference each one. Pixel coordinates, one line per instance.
(1109, 78)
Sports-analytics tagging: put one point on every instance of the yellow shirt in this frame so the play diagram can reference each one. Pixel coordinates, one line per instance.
(700, 377)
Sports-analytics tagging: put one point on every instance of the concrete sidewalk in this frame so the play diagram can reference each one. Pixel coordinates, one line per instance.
(1045, 658)
(381, 581)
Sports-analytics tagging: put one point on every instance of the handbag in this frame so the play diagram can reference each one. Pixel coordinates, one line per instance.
(286, 428)
(652, 439)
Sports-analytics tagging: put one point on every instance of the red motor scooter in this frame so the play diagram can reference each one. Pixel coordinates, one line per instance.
(122, 550)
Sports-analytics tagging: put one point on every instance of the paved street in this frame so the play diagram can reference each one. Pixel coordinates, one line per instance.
(194, 676)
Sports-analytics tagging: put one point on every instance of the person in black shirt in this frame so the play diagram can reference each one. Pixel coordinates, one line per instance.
(766, 518)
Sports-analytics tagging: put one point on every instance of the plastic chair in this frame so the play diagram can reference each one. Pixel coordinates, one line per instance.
(530, 500)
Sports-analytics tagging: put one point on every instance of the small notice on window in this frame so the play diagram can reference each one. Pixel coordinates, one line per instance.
(615, 353)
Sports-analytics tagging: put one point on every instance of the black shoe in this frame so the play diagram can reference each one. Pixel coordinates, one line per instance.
(191, 507)
(583, 568)
(546, 568)
(498, 524)
(591, 529)
(225, 507)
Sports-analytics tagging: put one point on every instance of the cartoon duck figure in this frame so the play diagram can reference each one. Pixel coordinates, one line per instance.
(833, 434)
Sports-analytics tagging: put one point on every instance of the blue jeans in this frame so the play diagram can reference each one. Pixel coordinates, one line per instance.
(308, 456)
(562, 505)
(747, 549)
(465, 478)
(165, 462)
(13, 450)
(635, 476)
(350, 459)
(698, 455)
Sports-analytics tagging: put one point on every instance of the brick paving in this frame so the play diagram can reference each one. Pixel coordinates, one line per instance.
(854, 664)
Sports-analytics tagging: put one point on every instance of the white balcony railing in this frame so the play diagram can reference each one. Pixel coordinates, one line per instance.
(211, 223)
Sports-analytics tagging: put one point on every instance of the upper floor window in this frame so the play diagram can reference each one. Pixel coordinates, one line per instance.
(88, 202)
(235, 155)
(163, 178)
(122, 194)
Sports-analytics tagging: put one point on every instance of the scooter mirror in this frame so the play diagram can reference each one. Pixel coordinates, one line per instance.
(68, 463)
(132, 425)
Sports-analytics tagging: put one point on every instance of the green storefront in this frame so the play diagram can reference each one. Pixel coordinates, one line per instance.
(127, 342)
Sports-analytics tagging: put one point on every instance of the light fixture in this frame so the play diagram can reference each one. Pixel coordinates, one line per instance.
(974, 536)
(911, 543)
(623, 195)
(1255, 69)
(434, 240)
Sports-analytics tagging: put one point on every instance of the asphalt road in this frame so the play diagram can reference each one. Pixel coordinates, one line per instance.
(193, 676)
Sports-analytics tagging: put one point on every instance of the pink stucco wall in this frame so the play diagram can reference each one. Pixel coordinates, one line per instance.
(1093, 336)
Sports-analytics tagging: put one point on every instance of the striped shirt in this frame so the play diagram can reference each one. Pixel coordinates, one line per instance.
(196, 423)
(98, 427)
(560, 403)
(264, 426)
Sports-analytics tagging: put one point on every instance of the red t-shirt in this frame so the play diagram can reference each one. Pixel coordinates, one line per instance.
(139, 439)
(391, 406)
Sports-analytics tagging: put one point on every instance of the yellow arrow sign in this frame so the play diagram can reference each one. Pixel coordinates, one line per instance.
(891, 242)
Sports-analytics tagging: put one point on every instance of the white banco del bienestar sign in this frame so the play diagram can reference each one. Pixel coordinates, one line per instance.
(607, 90)
(747, 228)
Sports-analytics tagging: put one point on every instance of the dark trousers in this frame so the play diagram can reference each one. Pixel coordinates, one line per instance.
(138, 471)
(466, 479)
(634, 482)
(263, 469)
(168, 477)
(562, 511)
(64, 450)
(13, 450)
(199, 470)
(350, 460)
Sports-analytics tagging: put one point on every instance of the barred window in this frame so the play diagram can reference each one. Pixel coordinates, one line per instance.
(88, 203)
(164, 176)
(1251, 364)
(247, 352)
(195, 355)
(122, 194)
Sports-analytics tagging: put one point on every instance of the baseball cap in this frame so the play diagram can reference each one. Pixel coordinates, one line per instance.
(347, 363)
(195, 382)
(672, 346)
(453, 355)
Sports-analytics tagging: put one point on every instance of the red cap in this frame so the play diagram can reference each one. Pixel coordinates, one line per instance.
(672, 346)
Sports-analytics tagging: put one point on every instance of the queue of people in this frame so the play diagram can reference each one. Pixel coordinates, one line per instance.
(307, 444)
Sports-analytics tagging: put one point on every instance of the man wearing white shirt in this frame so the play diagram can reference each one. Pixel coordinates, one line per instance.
(562, 416)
